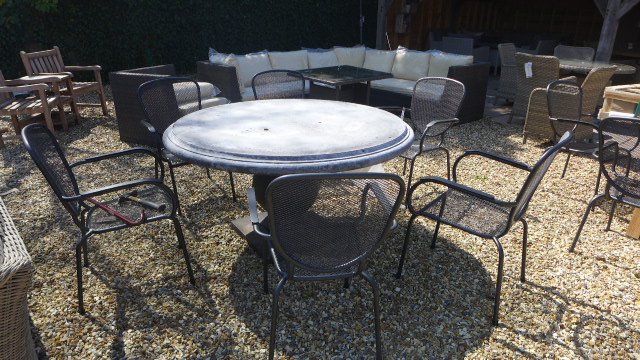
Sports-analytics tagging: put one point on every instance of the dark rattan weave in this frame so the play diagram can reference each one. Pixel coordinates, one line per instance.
(50, 159)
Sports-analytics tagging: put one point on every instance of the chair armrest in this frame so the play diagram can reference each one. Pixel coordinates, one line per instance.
(253, 213)
(117, 187)
(32, 87)
(498, 158)
(158, 161)
(224, 77)
(36, 80)
(156, 137)
(57, 73)
(570, 78)
(83, 68)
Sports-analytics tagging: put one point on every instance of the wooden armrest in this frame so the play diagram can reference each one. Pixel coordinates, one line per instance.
(83, 68)
(35, 80)
(32, 87)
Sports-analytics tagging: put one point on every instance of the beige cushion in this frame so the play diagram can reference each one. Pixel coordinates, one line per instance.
(400, 86)
(441, 61)
(251, 64)
(289, 60)
(353, 56)
(188, 108)
(380, 60)
(410, 64)
(322, 59)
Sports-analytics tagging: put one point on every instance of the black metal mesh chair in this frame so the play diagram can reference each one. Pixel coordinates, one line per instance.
(325, 226)
(477, 212)
(164, 101)
(278, 84)
(136, 202)
(619, 157)
(434, 107)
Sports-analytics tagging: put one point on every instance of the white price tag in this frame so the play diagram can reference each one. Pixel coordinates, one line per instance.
(528, 69)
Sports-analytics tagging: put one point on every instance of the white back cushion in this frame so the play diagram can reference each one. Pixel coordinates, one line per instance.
(380, 60)
(251, 64)
(410, 64)
(289, 60)
(353, 56)
(441, 61)
(322, 59)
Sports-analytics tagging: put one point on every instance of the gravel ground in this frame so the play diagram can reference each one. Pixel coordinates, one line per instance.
(140, 304)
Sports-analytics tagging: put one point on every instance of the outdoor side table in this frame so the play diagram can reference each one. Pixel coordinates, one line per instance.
(269, 138)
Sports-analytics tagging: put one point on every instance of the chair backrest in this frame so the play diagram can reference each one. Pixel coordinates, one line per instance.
(331, 222)
(435, 98)
(161, 100)
(546, 47)
(593, 88)
(50, 159)
(619, 154)
(545, 69)
(566, 52)
(46, 61)
(507, 52)
(457, 45)
(565, 102)
(535, 177)
(278, 84)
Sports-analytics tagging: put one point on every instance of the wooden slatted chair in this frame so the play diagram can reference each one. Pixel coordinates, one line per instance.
(50, 61)
(39, 101)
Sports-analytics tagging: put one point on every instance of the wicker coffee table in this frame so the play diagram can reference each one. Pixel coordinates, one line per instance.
(339, 76)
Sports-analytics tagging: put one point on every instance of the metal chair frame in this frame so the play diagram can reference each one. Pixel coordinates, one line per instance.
(283, 88)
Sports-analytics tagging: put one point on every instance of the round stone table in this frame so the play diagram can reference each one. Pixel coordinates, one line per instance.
(276, 137)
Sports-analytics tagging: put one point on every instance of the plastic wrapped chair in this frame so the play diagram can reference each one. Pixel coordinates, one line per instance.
(278, 84)
(325, 227)
(476, 212)
(134, 202)
(581, 53)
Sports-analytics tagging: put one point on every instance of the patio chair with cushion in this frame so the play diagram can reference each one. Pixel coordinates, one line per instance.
(507, 84)
(16, 272)
(164, 101)
(434, 109)
(37, 98)
(592, 87)
(278, 84)
(619, 159)
(544, 69)
(325, 227)
(581, 53)
(131, 203)
(50, 61)
(477, 212)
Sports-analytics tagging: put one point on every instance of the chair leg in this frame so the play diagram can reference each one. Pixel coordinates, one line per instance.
(274, 317)
(407, 237)
(435, 232)
(48, 119)
(265, 268)
(183, 245)
(413, 160)
(448, 163)
(85, 251)
(613, 209)
(404, 167)
(524, 138)
(233, 187)
(103, 102)
(496, 304)
(566, 163)
(175, 188)
(376, 312)
(584, 220)
(598, 181)
(510, 117)
(63, 117)
(208, 173)
(347, 283)
(523, 266)
(79, 247)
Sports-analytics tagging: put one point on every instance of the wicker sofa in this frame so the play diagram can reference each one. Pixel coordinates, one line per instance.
(16, 272)
(124, 86)
(232, 74)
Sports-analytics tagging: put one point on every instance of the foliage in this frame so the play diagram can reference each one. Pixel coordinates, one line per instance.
(124, 34)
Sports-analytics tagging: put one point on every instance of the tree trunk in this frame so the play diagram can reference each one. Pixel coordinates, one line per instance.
(608, 32)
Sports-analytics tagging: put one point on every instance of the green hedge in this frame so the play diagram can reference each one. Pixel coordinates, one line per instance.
(119, 34)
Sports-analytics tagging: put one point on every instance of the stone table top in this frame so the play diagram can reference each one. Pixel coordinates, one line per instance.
(274, 137)
(586, 66)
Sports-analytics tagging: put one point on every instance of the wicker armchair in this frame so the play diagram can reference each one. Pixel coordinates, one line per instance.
(507, 85)
(537, 118)
(545, 69)
(15, 280)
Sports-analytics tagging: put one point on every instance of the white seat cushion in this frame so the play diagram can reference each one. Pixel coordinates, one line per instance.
(401, 86)
(206, 103)
(289, 60)
(380, 60)
(353, 56)
(410, 64)
(322, 59)
(441, 61)
(251, 64)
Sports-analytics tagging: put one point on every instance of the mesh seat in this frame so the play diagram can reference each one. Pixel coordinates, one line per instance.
(278, 84)
(164, 101)
(132, 203)
(619, 159)
(477, 212)
(434, 106)
(324, 227)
